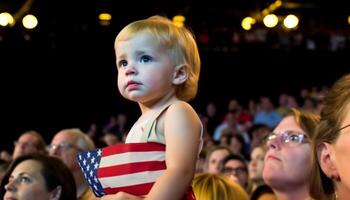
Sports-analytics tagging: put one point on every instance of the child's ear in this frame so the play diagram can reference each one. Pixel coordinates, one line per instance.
(325, 158)
(180, 74)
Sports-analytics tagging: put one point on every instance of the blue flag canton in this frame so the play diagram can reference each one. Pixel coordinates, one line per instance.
(89, 162)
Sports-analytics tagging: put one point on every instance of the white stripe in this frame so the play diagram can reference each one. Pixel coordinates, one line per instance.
(130, 179)
(132, 157)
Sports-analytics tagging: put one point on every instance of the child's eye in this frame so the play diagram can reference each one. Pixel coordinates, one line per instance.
(122, 63)
(145, 58)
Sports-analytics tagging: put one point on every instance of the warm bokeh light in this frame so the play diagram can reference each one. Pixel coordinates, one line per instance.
(6, 19)
(247, 23)
(291, 21)
(349, 19)
(270, 20)
(105, 19)
(179, 20)
(104, 16)
(29, 21)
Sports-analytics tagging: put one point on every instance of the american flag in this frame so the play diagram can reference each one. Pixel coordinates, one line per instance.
(132, 168)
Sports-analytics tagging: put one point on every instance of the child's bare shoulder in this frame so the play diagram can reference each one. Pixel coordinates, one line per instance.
(181, 110)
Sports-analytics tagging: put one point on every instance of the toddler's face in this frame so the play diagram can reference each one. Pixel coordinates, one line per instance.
(145, 68)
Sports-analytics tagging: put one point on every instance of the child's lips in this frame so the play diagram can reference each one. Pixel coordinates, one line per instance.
(132, 85)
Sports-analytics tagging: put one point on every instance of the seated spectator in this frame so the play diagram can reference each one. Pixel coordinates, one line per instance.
(214, 158)
(255, 168)
(257, 134)
(215, 187)
(330, 178)
(288, 158)
(38, 177)
(235, 167)
(267, 114)
(28, 143)
(66, 145)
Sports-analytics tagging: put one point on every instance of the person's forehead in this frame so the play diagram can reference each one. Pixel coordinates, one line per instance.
(64, 136)
(28, 166)
(234, 163)
(28, 137)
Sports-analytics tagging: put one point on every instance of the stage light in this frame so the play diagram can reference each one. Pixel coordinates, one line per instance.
(247, 23)
(6, 19)
(270, 20)
(291, 21)
(29, 21)
(179, 20)
(105, 19)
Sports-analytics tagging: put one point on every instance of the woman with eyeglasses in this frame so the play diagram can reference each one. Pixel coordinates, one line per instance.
(330, 177)
(288, 158)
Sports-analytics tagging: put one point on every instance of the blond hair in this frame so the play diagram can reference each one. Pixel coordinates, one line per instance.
(181, 44)
(217, 187)
(332, 115)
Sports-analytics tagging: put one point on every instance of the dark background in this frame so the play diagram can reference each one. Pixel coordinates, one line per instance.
(62, 74)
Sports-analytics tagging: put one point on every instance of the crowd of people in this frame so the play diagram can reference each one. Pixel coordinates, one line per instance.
(242, 154)
(296, 150)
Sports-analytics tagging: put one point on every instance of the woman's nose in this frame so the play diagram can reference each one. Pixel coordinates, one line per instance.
(273, 143)
(10, 186)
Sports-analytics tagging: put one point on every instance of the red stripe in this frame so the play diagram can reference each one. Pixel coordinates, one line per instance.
(130, 168)
(138, 190)
(132, 147)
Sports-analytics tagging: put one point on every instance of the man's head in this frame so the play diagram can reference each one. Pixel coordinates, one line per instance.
(29, 142)
(67, 143)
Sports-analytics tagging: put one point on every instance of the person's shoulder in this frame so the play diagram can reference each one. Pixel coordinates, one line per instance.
(181, 106)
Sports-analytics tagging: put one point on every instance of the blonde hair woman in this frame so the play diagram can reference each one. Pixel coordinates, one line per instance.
(330, 178)
(217, 187)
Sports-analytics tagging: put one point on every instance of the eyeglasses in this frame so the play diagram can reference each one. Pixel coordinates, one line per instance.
(61, 146)
(289, 138)
(238, 170)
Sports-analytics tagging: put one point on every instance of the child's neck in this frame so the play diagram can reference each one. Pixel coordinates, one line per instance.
(156, 105)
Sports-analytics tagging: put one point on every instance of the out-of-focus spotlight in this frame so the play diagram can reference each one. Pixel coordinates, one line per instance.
(247, 23)
(105, 19)
(6, 19)
(270, 20)
(291, 21)
(29, 21)
(179, 20)
(349, 19)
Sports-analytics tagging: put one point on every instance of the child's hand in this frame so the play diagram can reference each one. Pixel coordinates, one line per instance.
(120, 196)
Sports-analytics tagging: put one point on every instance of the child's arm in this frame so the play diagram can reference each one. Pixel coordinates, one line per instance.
(182, 131)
